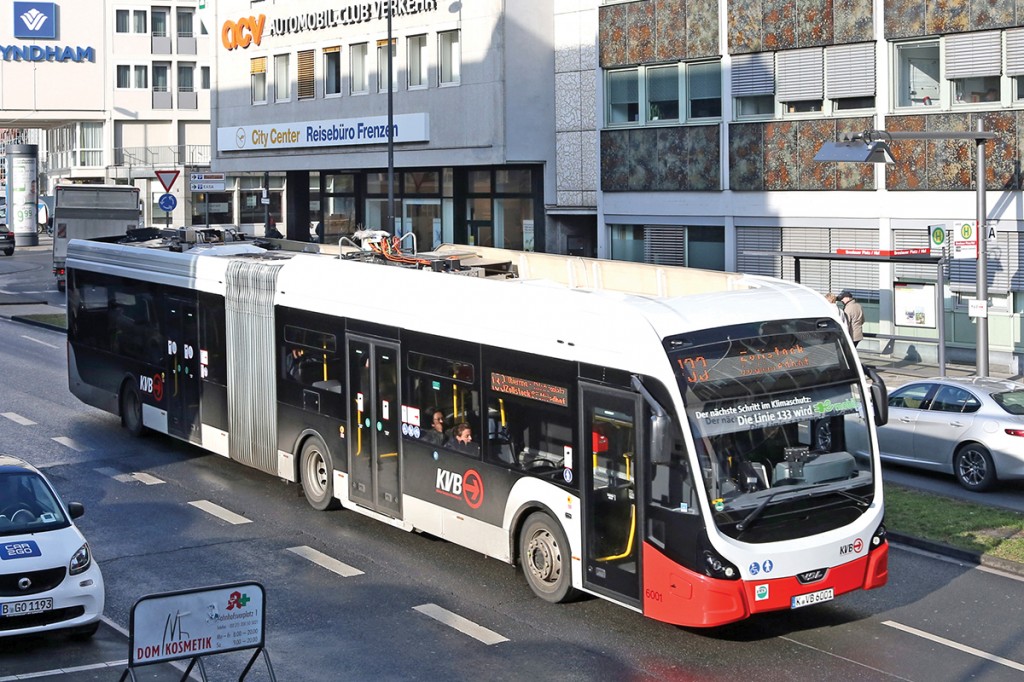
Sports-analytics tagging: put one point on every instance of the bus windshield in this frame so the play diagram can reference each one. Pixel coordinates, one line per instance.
(778, 421)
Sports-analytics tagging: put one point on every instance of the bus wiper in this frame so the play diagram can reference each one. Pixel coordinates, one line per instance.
(861, 501)
(754, 515)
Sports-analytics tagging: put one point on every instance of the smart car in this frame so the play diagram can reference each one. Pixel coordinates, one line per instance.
(970, 427)
(48, 578)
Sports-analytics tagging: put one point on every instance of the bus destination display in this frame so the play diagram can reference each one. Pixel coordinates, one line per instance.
(741, 361)
(525, 388)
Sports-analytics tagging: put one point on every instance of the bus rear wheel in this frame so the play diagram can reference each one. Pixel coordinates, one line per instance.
(546, 559)
(317, 471)
(131, 409)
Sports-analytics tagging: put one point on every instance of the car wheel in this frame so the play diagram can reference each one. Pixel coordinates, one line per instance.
(317, 469)
(974, 468)
(545, 558)
(131, 410)
(62, 286)
(9, 252)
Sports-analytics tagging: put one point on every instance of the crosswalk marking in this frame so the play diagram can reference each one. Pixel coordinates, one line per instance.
(220, 512)
(140, 476)
(148, 479)
(463, 625)
(330, 563)
(18, 419)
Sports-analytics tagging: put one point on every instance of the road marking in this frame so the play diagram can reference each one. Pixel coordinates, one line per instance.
(18, 419)
(65, 671)
(957, 562)
(463, 625)
(330, 563)
(220, 512)
(143, 477)
(41, 343)
(68, 443)
(956, 645)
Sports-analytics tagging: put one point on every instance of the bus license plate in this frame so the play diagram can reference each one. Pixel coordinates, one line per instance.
(812, 598)
(22, 608)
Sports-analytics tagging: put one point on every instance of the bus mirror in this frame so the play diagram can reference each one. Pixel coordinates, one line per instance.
(879, 396)
(660, 437)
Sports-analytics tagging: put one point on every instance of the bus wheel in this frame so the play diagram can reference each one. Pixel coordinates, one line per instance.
(317, 475)
(545, 557)
(131, 409)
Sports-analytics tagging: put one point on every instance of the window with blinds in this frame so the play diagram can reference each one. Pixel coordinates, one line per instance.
(1003, 271)
(665, 245)
(850, 75)
(913, 239)
(258, 79)
(306, 84)
(974, 65)
(332, 70)
(801, 79)
(753, 84)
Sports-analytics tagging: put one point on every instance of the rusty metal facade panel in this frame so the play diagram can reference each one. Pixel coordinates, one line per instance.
(651, 31)
(677, 158)
(916, 18)
(949, 165)
(252, 355)
(779, 156)
(772, 25)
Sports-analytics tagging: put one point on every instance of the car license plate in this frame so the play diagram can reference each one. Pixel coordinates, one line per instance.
(22, 608)
(812, 598)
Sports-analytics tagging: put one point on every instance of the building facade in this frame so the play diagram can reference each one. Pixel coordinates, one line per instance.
(713, 111)
(302, 89)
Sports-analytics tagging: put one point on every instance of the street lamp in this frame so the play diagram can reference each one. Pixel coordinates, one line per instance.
(872, 146)
(391, 126)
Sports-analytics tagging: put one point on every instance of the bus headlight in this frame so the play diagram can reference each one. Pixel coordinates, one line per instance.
(717, 567)
(878, 539)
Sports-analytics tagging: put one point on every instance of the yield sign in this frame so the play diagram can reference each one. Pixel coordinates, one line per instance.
(167, 178)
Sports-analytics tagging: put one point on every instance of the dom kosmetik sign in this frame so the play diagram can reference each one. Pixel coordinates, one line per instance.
(327, 133)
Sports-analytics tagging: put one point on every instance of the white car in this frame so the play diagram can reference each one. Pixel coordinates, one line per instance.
(48, 579)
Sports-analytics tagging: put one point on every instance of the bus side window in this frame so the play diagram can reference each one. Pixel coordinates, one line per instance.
(672, 485)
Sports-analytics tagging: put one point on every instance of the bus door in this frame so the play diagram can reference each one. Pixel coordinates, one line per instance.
(611, 526)
(374, 462)
(180, 383)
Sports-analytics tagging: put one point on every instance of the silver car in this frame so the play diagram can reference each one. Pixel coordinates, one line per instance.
(972, 428)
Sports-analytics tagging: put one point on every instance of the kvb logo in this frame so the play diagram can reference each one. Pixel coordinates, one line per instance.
(35, 20)
(469, 486)
(854, 547)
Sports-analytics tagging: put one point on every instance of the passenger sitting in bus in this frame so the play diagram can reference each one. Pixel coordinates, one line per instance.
(462, 440)
(294, 363)
(434, 431)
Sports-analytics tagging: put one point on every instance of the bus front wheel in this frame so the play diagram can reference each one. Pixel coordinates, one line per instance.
(131, 409)
(546, 559)
(317, 475)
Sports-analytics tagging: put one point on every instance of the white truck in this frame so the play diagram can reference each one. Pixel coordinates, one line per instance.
(90, 212)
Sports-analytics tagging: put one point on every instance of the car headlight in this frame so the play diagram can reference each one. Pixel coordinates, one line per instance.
(80, 560)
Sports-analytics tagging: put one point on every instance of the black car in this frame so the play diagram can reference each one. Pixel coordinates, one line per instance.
(6, 240)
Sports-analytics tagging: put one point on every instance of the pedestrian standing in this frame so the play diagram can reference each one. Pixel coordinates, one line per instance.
(854, 316)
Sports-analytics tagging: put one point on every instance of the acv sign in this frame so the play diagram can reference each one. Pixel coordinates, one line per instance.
(243, 32)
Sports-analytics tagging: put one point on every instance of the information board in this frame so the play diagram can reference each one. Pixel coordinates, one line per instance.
(197, 622)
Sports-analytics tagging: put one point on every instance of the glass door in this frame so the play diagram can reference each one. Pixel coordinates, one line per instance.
(375, 479)
(611, 523)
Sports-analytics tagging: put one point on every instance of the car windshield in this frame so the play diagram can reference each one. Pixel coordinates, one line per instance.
(1011, 401)
(27, 505)
(778, 419)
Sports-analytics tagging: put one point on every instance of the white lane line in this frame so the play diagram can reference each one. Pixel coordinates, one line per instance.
(330, 563)
(136, 476)
(956, 645)
(41, 343)
(65, 671)
(463, 625)
(958, 562)
(220, 512)
(143, 477)
(68, 443)
(18, 419)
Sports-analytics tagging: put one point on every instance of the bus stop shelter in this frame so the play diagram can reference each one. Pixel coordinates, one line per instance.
(894, 256)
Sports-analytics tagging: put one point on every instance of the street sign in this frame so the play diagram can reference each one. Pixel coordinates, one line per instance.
(203, 177)
(965, 242)
(206, 186)
(167, 202)
(937, 236)
(167, 178)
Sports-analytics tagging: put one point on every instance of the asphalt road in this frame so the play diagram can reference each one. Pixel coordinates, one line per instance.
(160, 517)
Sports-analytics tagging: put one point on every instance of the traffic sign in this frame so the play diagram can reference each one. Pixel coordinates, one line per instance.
(167, 202)
(206, 186)
(202, 177)
(167, 178)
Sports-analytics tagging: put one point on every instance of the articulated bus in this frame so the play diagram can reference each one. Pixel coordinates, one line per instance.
(696, 446)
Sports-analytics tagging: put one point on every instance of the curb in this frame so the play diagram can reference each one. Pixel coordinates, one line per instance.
(957, 553)
(37, 323)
